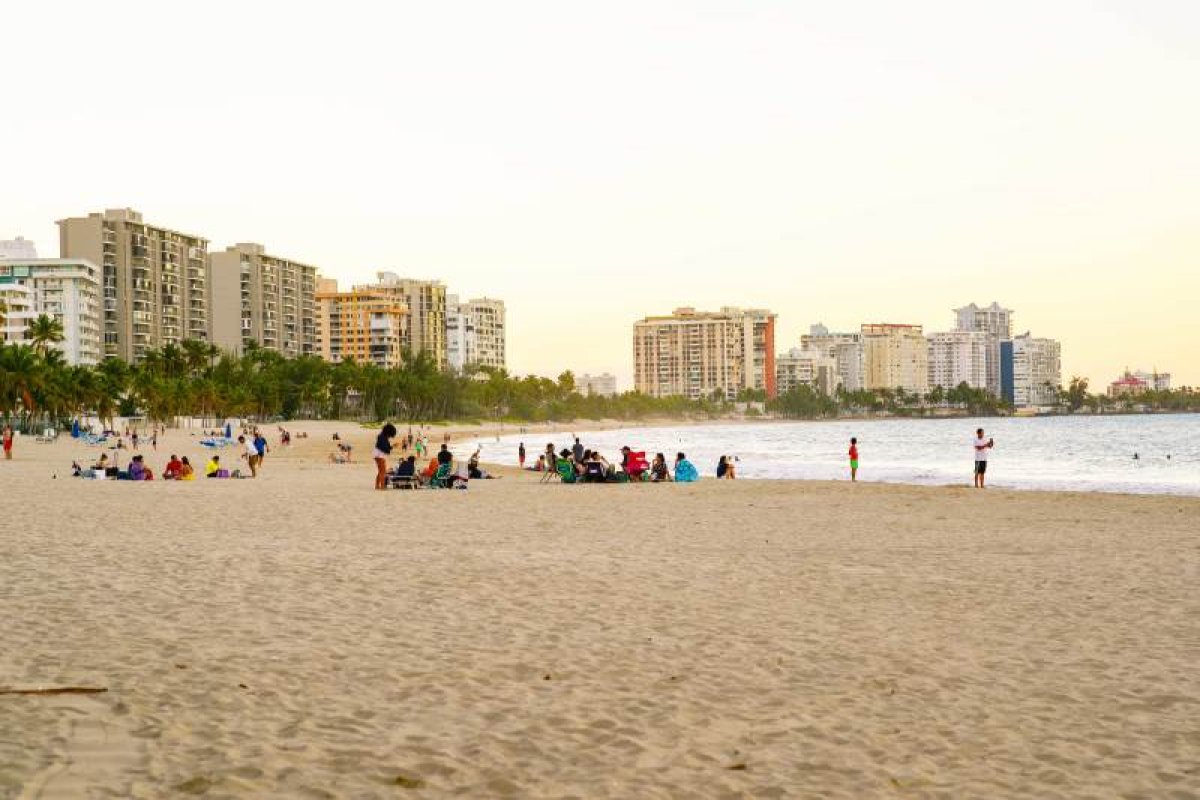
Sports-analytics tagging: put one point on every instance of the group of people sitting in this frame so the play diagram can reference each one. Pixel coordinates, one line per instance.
(177, 469)
(582, 465)
(441, 472)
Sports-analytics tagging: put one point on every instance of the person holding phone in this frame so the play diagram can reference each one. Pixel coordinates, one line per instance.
(982, 446)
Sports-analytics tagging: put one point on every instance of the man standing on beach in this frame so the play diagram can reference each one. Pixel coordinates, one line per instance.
(260, 447)
(521, 455)
(444, 456)
(982, 446)
(853, 459)
(577, 451)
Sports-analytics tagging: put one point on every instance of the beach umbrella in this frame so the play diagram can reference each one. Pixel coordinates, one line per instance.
(74, 429)
(228, 431)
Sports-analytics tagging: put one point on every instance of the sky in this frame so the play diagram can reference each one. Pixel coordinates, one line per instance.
(594, 163)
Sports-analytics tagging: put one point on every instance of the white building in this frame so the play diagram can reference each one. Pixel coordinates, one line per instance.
(995, 321)
(16, 311)
(65, 289)
(957, 357)
(1037, 371)
(844, 348)
(475, 333)
(19, 247)
(800, 367)
(604, 384)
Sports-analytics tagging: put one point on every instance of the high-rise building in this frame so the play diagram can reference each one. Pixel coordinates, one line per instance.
(801, 367)
(16, 312)
(602, 385)
(461, 343)
(1037, 371)
(19, 247)
(844, 348)
(957, 357)
(995, 321)
(262, 299)
(362, 325)
(699, 353)
(64, 289)
(895, 357)
(426, 304)
(475, 334)
(154, 280)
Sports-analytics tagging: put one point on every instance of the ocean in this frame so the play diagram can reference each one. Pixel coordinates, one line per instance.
(1065, 453)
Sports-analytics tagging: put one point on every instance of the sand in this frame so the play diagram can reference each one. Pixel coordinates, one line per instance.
(300, 635)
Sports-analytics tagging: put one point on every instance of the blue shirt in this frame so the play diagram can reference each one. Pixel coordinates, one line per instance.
(260, 444)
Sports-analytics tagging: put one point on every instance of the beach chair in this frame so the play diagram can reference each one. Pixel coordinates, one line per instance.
(403, 481)
(47, 436)
(441, 478)
(565, 470)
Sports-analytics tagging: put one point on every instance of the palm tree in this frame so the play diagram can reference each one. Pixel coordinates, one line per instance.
(45, 331)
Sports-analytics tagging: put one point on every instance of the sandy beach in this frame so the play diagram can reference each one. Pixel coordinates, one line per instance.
(300, 635)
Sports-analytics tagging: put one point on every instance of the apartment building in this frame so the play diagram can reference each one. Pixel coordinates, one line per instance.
(1037, 371)
(844, 348)
(801, 367)
(366, 326)
(426, 304)
(475, 333)
(895, 357)
(16, 312)
(699, 353)
(602, 385)
(154, 280)
(262, 299)
(996, 322)
(64, 289)
(957, 357)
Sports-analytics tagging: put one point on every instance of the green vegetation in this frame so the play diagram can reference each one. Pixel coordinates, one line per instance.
(196, 379)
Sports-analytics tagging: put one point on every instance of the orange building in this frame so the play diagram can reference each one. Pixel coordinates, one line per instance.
(363, 325)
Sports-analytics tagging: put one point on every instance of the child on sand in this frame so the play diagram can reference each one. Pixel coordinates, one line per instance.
(853, 458)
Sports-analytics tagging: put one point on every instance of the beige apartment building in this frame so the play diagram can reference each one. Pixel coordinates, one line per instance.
(154, 279)
(426, 303)
(363, 325)
(895, 357)
(698, 353)
(262, 299)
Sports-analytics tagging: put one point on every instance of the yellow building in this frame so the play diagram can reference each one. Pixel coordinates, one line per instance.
(895, 357)
(364, 325)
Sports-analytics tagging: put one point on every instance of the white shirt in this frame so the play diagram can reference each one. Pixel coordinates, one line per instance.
(251, 450)
(981, 449)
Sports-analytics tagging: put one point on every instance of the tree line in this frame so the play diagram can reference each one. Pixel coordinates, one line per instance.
(196, 379)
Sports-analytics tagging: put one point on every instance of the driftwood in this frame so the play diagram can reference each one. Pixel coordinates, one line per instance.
(59, 690)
